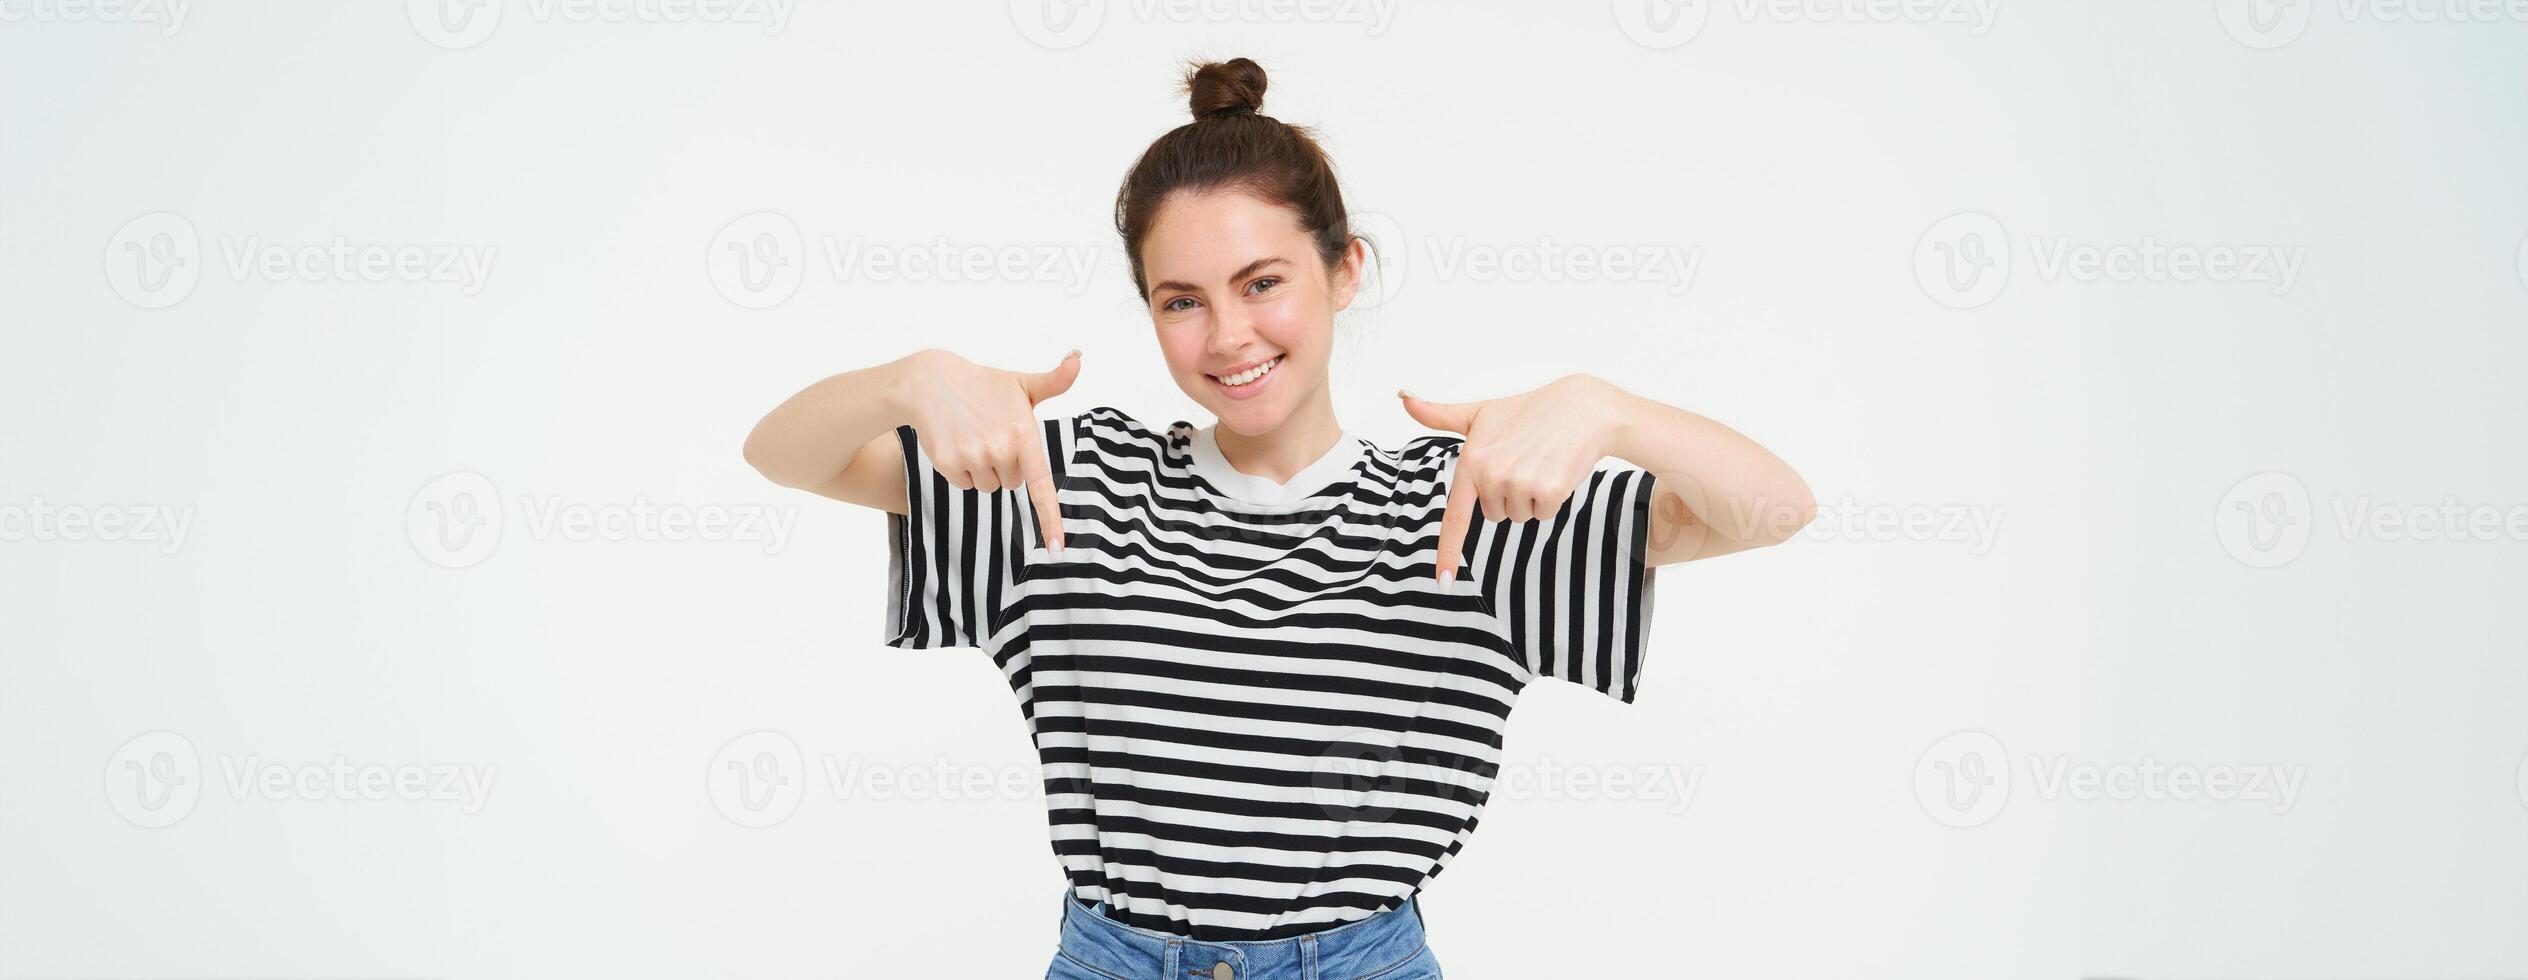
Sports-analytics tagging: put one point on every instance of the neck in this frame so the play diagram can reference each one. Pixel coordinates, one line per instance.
(1278, 455)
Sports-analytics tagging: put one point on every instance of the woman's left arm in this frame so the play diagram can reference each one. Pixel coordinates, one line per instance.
(1717, 491)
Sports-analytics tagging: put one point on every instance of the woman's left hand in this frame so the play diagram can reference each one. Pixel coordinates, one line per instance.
(1523, 455)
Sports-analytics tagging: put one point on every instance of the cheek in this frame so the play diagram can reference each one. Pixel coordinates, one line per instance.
(1296, 327)
(1182, 346)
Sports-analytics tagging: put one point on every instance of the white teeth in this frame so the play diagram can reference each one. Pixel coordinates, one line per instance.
(1249, 375)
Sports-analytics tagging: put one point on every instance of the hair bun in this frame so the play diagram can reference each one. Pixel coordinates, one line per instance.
(1221, 89)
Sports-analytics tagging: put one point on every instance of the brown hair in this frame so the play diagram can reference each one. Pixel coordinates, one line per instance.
(1231, 145)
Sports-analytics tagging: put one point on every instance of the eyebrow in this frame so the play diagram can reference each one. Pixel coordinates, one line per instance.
(1249, 269)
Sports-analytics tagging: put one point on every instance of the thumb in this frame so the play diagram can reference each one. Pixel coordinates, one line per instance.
(1047, 384)
(1444, 416)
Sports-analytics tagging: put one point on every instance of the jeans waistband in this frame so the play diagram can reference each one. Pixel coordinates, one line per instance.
(1360, 948)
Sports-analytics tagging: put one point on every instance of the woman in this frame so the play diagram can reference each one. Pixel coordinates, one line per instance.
(1267, 703)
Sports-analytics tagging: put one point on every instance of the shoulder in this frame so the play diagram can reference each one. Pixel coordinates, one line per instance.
(1115, 429)
(1423, 454)
(1429, 450)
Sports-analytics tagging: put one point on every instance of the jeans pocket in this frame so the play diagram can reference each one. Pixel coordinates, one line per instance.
(1422, 965)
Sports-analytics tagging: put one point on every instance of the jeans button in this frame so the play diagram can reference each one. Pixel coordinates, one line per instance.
(1222, 971)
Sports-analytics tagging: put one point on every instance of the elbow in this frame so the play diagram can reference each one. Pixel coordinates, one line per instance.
(1799, 511)
(761, 456)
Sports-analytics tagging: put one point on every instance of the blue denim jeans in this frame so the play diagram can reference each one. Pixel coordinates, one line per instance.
(1385, 946)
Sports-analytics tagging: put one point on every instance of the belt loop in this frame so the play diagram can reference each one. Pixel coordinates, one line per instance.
(1308, 957)
(1169, 961)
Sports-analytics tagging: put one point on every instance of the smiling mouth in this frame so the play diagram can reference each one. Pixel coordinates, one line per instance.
(1250, 375)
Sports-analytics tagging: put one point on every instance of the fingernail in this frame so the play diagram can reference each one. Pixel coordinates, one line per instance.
(1447, 577)
(1075, 352)
(1407, 393)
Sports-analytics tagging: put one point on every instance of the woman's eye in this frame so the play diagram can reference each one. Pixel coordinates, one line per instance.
(1179, 304)
(1262, 285)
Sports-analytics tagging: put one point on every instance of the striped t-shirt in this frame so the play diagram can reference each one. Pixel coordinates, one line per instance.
(1258, 713)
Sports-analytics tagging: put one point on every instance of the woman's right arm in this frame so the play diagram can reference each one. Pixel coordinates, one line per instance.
(978, 425)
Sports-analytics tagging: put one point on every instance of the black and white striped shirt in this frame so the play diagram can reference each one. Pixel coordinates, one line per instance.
(1258, 713)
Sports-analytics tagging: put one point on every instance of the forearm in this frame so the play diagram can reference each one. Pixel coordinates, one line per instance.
(1734, 487)
(810, 438)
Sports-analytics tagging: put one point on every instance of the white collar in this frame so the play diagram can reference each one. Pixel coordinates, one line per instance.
(1203, 454)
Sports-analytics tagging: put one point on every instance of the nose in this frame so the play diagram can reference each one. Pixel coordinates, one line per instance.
(1231, 332)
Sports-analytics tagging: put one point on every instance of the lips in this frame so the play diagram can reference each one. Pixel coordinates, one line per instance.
(1248, 374)
(1249, 380)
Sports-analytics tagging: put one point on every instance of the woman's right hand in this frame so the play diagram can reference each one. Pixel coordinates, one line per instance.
(978, 425)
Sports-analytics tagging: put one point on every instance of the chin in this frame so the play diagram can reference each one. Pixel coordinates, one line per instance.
(1244, 416)
(1250, 419)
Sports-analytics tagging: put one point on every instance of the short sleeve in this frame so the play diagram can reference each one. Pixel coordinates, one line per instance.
(1574, 590)
(955, 555)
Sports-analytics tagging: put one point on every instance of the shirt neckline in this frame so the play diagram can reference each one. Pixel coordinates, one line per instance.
(1204, 457)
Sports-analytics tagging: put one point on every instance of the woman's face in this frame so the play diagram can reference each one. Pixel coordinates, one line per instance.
(1235, 287)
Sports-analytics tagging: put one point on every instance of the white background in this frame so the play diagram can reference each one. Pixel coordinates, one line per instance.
(2104, 518)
